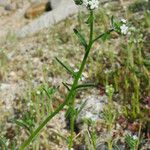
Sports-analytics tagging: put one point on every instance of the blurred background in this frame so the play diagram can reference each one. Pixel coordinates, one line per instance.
(33, 33)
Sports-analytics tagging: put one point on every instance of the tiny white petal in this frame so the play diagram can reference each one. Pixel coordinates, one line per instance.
(76, 70)
(38, 92)
(124, 29)
(135, 137)
(124, 20)
(92, 4)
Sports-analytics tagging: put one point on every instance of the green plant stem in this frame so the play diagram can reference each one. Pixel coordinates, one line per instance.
(109, 145)
(70, 96)
(70, 99)
(72, 119)
(108, 32)
(139, 134)
(2, 143)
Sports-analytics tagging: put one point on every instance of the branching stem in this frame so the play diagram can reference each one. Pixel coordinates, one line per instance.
(70, 99)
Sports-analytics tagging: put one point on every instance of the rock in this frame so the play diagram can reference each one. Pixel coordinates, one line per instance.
(8, 93)
(65, 9)
(4, 2)
(10, 55)
(37, 9)
(93, 108)
(102, 147)
(7, 98)
(11, 22)
(10, 7)
(13, 76)
(55, 3)
(4, 86)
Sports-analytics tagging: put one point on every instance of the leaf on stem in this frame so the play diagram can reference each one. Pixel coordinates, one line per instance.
(3, 144)
(22, 124)
(83, 86)
(80, 109)
(68, 68)
(90, 19)
(81, 37)
(115, 25)
(70, 111)
(66, 85)
(112, 21)
(49, 91)
(104, 36)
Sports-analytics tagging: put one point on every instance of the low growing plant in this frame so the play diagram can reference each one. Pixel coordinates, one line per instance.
(118, 26)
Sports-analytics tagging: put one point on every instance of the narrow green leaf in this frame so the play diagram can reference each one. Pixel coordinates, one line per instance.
(81, 107)
(105, 36)
(112, 21)
(49, 91)
(81, 37)
(90, 19)
(41, 126)
(58, 134)
(65, 84)
(21, 124)
(146, 62)
(68, 68)
(78, 2)
(69, 112)
(2, 144)
(85, 86)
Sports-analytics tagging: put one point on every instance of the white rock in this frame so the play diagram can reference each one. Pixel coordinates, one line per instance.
(55, 3)
(8, 92)
(4, 86)
(4, 2)
(64, 10)
(93, 108)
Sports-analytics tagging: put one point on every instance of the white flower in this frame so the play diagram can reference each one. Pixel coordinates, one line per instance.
(82, 78)
(92, 4)
(124, 29)
(107, 71)
(38, 92)
(76, 70)
(124, 20)
(86, 2)
(109, 89)
(30, 104)
(135, 137)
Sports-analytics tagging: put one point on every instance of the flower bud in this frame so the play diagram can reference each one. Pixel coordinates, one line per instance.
(78, 2)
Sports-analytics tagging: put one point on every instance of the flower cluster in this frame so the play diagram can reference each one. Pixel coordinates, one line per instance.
(109, 89)
(90, 4)
(120, 26)
(124, 27)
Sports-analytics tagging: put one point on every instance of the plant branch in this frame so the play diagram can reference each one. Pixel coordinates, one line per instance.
(100, 36)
